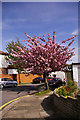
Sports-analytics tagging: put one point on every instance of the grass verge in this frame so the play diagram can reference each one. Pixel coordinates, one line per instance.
(42, 92)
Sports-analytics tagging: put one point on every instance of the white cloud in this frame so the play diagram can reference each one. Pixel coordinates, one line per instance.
(75, 32)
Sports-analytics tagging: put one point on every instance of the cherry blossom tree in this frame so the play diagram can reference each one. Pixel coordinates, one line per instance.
(44, 56)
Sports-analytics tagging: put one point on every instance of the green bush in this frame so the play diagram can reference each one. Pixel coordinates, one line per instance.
(64, 83)
(68, 89)
(72, 85)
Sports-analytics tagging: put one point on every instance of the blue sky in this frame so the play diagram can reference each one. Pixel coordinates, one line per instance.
(38, 18)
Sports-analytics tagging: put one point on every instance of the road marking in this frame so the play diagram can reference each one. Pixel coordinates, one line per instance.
(12, 101)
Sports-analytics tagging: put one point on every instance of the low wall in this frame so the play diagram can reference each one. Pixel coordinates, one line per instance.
(70, 107)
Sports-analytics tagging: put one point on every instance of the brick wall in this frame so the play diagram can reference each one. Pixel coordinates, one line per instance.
(70, 107)
(25, 78)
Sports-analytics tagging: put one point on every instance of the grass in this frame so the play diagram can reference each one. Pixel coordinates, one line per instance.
(24, 83)
(42, 92)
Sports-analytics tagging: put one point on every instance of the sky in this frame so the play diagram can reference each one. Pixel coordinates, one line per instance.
(38, 18)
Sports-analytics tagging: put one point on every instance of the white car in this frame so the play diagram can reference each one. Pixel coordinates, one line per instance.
(5, 82)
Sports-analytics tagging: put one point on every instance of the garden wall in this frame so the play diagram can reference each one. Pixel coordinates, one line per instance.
(70, 107)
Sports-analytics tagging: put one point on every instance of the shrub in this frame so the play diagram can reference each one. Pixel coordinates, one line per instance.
(64, 83)
(68, 89)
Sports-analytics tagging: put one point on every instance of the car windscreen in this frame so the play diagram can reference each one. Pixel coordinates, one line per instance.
(8, 79)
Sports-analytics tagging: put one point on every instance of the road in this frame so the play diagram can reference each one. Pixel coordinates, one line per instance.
(10, 93)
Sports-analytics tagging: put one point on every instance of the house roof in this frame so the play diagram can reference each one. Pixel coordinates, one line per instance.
(3, 53)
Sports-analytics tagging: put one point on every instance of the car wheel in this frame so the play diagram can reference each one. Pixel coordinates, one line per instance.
(15, 85)
(1, 86)
(40, 81)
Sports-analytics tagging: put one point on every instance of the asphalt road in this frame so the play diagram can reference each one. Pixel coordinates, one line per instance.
(9, 93)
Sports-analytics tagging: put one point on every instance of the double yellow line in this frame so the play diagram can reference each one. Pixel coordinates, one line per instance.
(12, 101)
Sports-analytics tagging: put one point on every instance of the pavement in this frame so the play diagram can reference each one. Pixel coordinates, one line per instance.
(31, 107)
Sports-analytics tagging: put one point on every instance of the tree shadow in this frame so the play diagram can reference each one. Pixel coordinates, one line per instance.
(18, 89)
(26, 88)
(33, 119)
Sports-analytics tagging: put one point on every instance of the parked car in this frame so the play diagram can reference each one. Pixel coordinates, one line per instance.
(54, 82)
(38, 80)
(49, 78)
(5, 82)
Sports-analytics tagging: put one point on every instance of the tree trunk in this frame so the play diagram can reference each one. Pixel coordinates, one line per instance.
(19, 76)
(45, 79)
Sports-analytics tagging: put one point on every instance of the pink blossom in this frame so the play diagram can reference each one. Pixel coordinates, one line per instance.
(70, 43)
(43, 39)
(55, 60)
(59, 63)
(38, 37)
(43, 35)
(69, 39)
(48, 34)
(63, 41)
(42, 57)
(72, 49)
